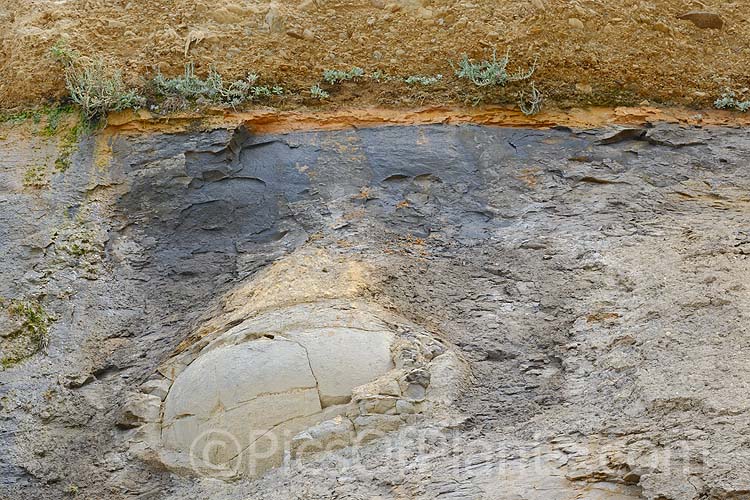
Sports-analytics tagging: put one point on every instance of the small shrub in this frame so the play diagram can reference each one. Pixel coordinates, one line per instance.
(334, 76)
(64, 54)
(532, 104)
(494, 72)
(423, 80)
(729, 100)
(189, 87)
(382, 77)
(238, 91)
(257, 92)
(318, 93)
(94, 87)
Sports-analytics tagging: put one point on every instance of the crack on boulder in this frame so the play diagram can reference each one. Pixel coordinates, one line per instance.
(271, 429)
(291, 390)
(312, 372)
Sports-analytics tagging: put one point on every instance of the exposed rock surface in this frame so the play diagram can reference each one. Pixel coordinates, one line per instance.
(703, 19)
(596, 283)
(237, 398)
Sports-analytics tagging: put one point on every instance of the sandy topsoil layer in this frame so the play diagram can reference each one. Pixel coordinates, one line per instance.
(588, 52)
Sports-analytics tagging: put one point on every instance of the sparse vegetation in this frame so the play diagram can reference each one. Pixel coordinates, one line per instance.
(212, 89)
(54, 115)
(98, 90)
(729, 100)
(94, 87)
(423, 80)
(68, 144)
(80, 243)
(531, 104)
(20, 117)
(257, 92)
(35, 177)
(334, 76)
(494, 72)
(32, 334)
(318, 93)
(189, 86)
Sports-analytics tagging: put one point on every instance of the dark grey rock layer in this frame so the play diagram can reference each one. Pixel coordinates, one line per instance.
(596, 281)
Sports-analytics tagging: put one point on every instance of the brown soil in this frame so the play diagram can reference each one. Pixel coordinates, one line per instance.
(589, 52)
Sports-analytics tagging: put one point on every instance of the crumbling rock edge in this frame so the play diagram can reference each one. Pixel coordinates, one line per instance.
(273, 121)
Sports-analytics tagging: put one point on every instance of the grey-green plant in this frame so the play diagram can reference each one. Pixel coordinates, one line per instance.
(318, 93)
(728, 100)
(492, 72)
(334, 76)
(188, 85)
(257, 92)
(531, 104)
(213, 88)
(382, 77)
(423, 80)
(96, 88)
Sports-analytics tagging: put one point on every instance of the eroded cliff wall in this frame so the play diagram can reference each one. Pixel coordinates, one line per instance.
(595, 282)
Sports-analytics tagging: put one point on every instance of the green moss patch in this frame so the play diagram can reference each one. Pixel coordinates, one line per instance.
(26, 330)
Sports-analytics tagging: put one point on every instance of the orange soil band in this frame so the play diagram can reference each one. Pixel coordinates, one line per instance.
(274, 121)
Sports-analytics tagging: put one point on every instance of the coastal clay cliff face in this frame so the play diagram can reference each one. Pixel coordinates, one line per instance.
(434, 311)
(588, 52)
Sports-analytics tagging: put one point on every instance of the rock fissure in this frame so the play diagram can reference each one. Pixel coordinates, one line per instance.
(243, 450)
(312, 371)
(291, 390)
